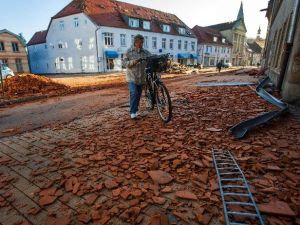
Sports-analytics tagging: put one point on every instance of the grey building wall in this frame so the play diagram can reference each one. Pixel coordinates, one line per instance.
(279, 28)
(291, 83)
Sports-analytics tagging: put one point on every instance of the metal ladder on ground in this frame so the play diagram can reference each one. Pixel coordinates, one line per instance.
(235, 191)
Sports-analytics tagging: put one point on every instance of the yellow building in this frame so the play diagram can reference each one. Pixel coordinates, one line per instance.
(13, 52)
(235, 33)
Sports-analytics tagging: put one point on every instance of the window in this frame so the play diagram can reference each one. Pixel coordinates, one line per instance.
(146, 25)
(216, 49)
(179, 44)
(145, 42)
(215, 39)
(19, 65)
(154, 42)
(60, 45)
(228, 50)
(166, 28)
(186, 45)
(76, 22)
(123, 40)
(4, 62)
(223, 40)
(181, 30)
(61, 25)
(171, 44)
(108, 39)
(164, 43)
(15, 46)
(193, 46)
(2, 48)
(208, 49)
(133, 22)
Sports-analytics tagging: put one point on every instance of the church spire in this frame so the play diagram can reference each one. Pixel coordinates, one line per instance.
(258, 33)
(241, 12)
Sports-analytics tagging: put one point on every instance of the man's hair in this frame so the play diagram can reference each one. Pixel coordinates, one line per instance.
(138, 37)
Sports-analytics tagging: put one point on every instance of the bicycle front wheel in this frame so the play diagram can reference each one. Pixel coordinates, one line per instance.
(163, 102)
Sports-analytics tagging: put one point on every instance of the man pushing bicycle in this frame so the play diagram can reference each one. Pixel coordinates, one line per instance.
(136, 75)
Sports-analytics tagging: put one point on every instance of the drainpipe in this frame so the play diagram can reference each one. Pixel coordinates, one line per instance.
(289, 44)
(96, 34)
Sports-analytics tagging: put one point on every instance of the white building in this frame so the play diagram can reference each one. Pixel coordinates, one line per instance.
(212, 47)
(90, 36)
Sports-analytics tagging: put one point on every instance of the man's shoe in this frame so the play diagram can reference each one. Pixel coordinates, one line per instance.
(133, 115)
(137, 114)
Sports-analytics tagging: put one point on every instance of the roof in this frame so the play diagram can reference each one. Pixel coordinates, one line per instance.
(38, 38)
(206, 35)
(17, 36)
(223, 26)
(112, 13)
(255, 47)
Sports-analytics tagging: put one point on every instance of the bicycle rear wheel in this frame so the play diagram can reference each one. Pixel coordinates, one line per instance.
(163, 102)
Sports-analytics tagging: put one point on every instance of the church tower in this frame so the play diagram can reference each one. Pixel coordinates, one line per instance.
(241, 12)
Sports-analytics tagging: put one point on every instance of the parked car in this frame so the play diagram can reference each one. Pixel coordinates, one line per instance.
(227, 65)
(6, 72)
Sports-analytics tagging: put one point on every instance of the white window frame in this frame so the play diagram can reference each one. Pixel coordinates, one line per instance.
(154, 42)
(76, 22)
(179, 44)
(171, 44)
(61, 25)
(166, 28)
(108, 39)
(145, 42)
(193, 44)
(134, 22)
(123, 40)
(146, 25)
(185, 46)
(164, 43)
(181, 30)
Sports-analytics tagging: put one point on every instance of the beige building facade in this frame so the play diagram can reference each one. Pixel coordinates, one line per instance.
(235, 33)
(13, 51)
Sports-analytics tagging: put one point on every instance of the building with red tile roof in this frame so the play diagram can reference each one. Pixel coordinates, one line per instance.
(213, 47)
(93, 35)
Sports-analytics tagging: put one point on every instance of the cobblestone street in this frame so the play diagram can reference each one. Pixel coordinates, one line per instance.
(107, 169)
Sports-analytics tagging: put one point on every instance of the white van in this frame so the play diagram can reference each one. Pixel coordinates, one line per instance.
(6, 72)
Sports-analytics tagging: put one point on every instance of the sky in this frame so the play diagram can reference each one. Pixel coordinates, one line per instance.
(29, 16)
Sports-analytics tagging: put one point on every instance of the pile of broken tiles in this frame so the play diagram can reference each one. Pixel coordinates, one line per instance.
(119, 171)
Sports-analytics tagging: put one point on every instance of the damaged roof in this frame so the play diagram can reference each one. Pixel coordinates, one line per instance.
(223, 26)
(206, 35)
(255, 47)
(111, 13)
(38, 38)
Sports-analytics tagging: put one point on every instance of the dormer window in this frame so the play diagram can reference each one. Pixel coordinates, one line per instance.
(166, 28)
(223, 40)
(133, 22)
(181, 30)
(215, 39)
(146, 25)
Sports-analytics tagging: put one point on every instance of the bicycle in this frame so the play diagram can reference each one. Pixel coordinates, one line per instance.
(156, 92)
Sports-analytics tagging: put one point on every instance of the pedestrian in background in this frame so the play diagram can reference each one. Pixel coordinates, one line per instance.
(135, 74)
(219, 66)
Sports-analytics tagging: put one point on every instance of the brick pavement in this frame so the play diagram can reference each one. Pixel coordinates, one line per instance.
(94, 169)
